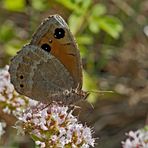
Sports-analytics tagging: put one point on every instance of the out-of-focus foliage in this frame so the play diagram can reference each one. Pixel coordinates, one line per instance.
(18, 5)
(113, 41)
(87, 19)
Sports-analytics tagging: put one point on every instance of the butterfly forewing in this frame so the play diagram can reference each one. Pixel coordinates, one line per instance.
(55, 34)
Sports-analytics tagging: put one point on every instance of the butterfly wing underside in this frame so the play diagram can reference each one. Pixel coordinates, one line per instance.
(38, 74)
(49, 67)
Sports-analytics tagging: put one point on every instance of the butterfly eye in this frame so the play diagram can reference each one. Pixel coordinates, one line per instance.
(59, 33)
(46, 47)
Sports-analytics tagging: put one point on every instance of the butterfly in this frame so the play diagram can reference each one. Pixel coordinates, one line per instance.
(49, 68)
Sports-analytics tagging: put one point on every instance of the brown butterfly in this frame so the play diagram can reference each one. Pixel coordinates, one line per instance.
(49, 67)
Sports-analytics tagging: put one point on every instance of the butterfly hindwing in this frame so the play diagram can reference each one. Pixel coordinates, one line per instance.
(37, 79)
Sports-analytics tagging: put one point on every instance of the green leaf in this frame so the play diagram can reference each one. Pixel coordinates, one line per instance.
(68, 4)
(40, 5)
(35, 137)
(85, 39)
(111, 25)
(6, 31)
(98, 10)
(146, 128)
(75, 22)
(11, 50)
(77, 1)
(13, 46)
(83, 51)
(17, 5)
(85, 5)
(77, 6)
(94, 26)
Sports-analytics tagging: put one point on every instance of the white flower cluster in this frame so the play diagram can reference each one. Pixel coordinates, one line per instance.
(55, 126)
(137, 139)
(49, 125)
(2, 126)
(10, 100)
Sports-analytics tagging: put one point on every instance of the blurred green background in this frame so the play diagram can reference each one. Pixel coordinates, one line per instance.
(113, 40)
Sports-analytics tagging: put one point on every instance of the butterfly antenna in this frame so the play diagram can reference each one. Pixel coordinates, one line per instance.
(47, 105)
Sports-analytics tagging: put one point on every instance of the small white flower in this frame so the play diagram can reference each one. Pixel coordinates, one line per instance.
(2, 98)
(38, 142)
(62, 131)
(43, 127)
(45, 124)
(54, 137)
(2, 126)
(35, 121)
(20, 101)
(44, 113)
(52, 125)
(62, 141)
(7, 110)
(137, 139)
(32, 102)
(23, 118)
(41, 144)
(85, 146)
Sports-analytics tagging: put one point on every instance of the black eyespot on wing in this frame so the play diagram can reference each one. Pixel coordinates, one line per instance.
(46, 47)
(21, 85)
(59, 33)
(21, 76)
